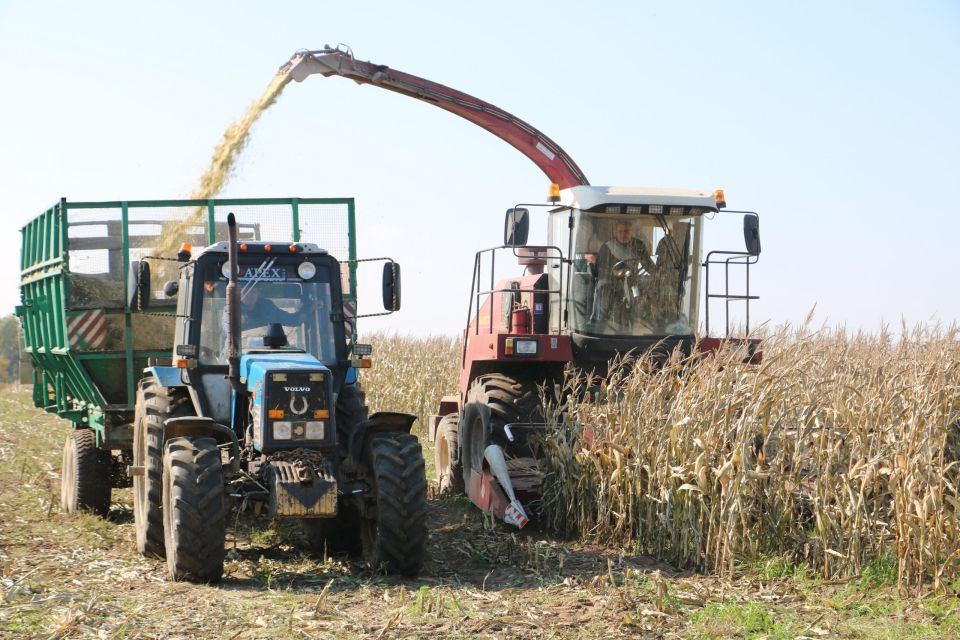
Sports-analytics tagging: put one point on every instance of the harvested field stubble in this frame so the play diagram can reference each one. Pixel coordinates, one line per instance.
(837, 451)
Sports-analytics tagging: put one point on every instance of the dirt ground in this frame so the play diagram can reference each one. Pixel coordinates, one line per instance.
(67, 576)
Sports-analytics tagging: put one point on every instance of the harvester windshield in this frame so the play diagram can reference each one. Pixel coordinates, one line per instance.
(631, 274)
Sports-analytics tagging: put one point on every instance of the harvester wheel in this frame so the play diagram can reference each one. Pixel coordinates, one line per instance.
(85, 474)
(155, 404)
(446, 454)
(395, 530)
(194, 514)
(493, 401)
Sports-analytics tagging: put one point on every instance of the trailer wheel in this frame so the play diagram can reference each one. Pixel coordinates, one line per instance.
(85, 474)
(394, 532)
(194, 515)
(155, 404)
(446, 455)
(493, 401)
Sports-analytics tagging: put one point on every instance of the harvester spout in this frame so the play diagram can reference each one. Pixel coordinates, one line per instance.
(326, 62)
(530, 141)
(514, 513)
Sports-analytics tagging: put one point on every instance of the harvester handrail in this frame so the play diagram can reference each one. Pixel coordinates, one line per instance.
(736, 258)
(476, 292)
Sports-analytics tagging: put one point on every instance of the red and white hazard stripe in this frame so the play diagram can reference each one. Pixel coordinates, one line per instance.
(88, 329)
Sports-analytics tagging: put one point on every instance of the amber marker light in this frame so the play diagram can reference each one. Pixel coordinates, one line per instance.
(267, 247)
(554, 194)
(293, 248)
(275, 414)
(720, 198)
(321, 413)
(243, 247)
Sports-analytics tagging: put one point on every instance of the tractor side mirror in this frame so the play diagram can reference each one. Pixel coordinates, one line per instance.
(138, 285)
(170, 288)
(516, 228)
(391, 286)
(751, 233)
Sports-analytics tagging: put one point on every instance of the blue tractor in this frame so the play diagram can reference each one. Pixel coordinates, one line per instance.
(260, 402)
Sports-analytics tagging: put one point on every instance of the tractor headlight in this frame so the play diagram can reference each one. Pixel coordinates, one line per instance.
(315, 430)
(225, 269)
(282, 430)
(306, 270)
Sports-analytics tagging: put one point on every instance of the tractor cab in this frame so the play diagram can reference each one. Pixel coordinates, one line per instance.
(287, 302)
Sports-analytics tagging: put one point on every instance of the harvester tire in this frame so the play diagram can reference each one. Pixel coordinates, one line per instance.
(446, 455)
(155, 404)
(85, 474)
(394, 531)
(194, 514)
(494, 400)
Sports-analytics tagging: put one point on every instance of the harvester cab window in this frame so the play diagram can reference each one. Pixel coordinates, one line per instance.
(298, 306)
(631, 274)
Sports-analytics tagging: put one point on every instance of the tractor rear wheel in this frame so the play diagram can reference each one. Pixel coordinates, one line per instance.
(446, 455)
(85, 474)
(155, 404)
(194, 514)
(340, 534)
(394, 531)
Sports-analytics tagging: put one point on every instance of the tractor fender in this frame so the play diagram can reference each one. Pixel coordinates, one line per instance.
(167, 376)
(204, 428)
(380, 422)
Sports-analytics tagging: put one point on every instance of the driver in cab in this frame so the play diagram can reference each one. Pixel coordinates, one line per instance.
(622, 259)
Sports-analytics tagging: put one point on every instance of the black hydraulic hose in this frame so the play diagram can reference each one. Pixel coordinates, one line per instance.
(233, 309)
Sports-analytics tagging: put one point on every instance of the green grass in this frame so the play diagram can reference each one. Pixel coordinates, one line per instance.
(748, 620)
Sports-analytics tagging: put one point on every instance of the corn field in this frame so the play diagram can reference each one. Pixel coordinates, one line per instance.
(837, 451)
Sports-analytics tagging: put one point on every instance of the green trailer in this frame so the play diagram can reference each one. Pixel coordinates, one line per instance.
(87, 346)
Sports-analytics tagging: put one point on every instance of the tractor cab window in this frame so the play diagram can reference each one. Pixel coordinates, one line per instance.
(631, 275)
(301, 307)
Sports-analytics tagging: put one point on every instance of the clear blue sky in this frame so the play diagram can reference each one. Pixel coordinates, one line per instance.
(838, 122)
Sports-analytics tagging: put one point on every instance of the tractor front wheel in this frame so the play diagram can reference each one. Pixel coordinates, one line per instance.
(194, 514)
(394, 531)
(85, 474)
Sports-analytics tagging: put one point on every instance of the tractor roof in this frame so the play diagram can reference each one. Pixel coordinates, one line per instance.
(586, 197)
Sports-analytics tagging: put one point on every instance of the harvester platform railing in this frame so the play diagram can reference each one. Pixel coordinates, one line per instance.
(87, 346)
(735, 259)
(477, 294)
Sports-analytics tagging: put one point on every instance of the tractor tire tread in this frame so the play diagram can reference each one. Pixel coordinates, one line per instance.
(397, 540)
(194, 510)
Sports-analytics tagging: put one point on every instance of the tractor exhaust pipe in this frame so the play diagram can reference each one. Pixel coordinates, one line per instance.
(233, 308)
